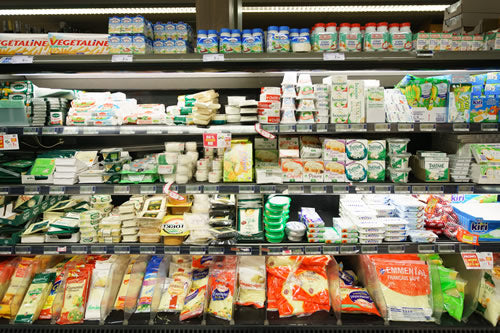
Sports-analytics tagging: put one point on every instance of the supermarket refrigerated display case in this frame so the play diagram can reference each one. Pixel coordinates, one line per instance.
(246, 76)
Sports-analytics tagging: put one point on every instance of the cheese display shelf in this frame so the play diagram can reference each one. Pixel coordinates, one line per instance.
(352, 60)
(249, 249)
(320, 129)
(251, 188)
(208, 235)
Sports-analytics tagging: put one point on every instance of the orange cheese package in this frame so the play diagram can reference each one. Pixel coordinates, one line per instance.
(19, 283)
(75, 295)
(222, 283)
(7, 268)
(406, 288)
(299, 287)
(354, 298)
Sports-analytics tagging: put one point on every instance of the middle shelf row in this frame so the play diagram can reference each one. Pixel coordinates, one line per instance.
(251, 188)
(249, 249)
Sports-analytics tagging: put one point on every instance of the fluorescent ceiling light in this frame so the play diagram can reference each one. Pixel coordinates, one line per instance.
(99, 11)
(345, 9)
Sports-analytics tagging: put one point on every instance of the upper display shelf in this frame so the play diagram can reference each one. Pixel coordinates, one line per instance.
(264, 61)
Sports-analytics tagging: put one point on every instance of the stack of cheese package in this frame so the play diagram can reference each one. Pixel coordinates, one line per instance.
(204, 106)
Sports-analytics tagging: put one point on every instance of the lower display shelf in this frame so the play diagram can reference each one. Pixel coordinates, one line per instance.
(245, 188)
(255, 249)
(249, 320)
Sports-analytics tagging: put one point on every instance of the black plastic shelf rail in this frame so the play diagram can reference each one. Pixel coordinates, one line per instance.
(442, 246)
(252, 188)
(268, 61)
(250, 129)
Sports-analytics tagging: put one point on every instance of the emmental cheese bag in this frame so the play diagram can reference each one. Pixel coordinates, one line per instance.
(252, 281)
(406, 288)
(35, 298)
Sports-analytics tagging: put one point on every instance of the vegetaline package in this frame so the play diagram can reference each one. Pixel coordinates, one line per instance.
(222, 285)
(252, 281)
(405, 286)
(35, 298)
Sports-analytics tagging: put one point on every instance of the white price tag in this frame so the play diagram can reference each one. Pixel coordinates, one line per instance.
(213, 57)
(127, 131)
(9, 142)
(21, 59)
(330, 56)
(382, 127)
(478, 260)
(90, 131)
(122, 58)
(70, 130)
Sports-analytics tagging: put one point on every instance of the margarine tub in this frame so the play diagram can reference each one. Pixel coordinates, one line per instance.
(399, 175)
(397, 145)
(399, 161)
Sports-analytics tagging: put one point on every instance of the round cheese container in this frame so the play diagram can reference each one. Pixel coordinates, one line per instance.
(397, 145)
(399, 175)
(399, 161)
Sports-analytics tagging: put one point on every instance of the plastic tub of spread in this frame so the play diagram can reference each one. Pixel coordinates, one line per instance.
(399, 233)
(292, 238)
(399, 161)
(272, 210)
(397, 145)
(111, 154)
(275, 238)
(422, 236)
(279, 202)
(273, 218)
(399, 175)
(274, 229)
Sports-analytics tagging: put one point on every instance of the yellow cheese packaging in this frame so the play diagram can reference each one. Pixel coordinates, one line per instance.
(238, 161)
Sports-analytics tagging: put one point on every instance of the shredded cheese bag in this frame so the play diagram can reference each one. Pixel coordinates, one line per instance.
(406, 289)
(357, 300)
(194, 304)
(252, 281)
(75, 296)
(222, 283)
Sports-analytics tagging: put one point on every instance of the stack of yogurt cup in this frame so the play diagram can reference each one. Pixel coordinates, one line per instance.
(175, 165)
(276, 214)
(398, 160)
(210, 167)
